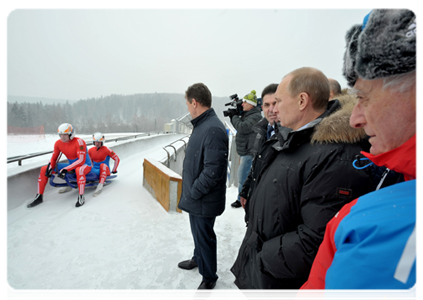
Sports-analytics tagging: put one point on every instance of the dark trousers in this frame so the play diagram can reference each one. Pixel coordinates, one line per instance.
(205, 252)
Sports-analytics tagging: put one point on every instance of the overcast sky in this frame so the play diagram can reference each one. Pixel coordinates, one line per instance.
(80, 54)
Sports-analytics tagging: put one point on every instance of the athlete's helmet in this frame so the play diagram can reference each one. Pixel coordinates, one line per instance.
(99, 137)
(66, 128)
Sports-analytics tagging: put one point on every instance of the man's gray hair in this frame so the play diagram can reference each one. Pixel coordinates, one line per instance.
(400, 83)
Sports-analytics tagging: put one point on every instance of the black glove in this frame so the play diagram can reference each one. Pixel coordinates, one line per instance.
(62, 173)
(232, 113)
(114, 172)
(48, 171)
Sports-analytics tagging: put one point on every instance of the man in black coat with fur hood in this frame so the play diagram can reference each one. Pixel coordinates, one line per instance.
(306, 177)
(204, 181)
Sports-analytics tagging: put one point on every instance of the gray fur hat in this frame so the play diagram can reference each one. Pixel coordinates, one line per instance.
(383, 46)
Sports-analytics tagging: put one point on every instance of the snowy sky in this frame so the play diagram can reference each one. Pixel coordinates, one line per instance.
(74, 54)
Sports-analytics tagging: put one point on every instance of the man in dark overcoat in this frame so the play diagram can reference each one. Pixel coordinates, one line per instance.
(204, 181)
(305, 178)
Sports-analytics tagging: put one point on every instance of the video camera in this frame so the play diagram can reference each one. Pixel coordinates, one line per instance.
(235, 102)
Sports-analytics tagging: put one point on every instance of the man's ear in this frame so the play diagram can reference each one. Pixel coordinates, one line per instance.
(194, 102)
(303, 101)
(331, 94)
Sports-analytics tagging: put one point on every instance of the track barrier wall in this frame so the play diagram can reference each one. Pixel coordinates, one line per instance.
(175, 155)
(163, 179)
(165, 187)
(164, 184)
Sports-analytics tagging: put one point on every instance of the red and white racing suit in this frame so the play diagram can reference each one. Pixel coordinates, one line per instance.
(100, 158)
(76, 152)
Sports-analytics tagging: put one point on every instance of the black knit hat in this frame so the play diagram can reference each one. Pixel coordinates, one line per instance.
(383, 46)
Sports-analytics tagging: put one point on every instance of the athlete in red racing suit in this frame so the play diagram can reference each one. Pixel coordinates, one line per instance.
(75, 150)
(100, 156)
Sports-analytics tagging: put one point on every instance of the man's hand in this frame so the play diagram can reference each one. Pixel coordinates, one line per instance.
(48, 171)
(62, 173)
(243, 202)
(232, 112)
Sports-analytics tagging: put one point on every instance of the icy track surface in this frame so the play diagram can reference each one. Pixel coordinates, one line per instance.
(122, 239)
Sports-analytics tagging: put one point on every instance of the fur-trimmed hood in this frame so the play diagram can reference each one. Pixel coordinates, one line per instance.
(336, 128)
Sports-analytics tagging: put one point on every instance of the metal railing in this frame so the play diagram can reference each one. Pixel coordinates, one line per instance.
(20, 158)
(234, 158)
(170, 145)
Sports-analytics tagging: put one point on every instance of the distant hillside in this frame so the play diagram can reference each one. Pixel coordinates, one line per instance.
(114, 113)
(23, 99)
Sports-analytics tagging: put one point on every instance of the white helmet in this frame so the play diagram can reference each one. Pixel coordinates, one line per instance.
(66, 128)
(98, 137)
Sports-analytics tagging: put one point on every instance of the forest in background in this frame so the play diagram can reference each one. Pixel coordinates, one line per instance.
(114, 113)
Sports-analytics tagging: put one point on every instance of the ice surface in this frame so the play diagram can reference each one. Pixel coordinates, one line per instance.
(122, 239)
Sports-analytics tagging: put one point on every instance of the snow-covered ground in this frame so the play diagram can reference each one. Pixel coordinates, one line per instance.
(119, 245)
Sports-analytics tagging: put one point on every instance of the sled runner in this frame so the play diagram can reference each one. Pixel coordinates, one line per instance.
(70, 180)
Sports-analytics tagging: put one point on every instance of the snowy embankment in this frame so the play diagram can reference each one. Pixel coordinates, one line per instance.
(122, 239)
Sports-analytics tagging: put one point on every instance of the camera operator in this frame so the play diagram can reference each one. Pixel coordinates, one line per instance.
(245, 136)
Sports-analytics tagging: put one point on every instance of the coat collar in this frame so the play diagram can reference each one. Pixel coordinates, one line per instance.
(401, 159)
(203, 117)
(288, 137)
(335, 126)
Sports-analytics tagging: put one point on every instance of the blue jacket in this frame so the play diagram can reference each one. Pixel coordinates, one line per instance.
(205, 167)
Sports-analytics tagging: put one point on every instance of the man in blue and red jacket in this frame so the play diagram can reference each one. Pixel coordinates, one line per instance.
(371, 242)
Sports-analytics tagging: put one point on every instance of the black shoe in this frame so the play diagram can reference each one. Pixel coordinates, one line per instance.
(204, 290)
(188, 264)
(236, 204)
(80, 201)
(38, 200)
